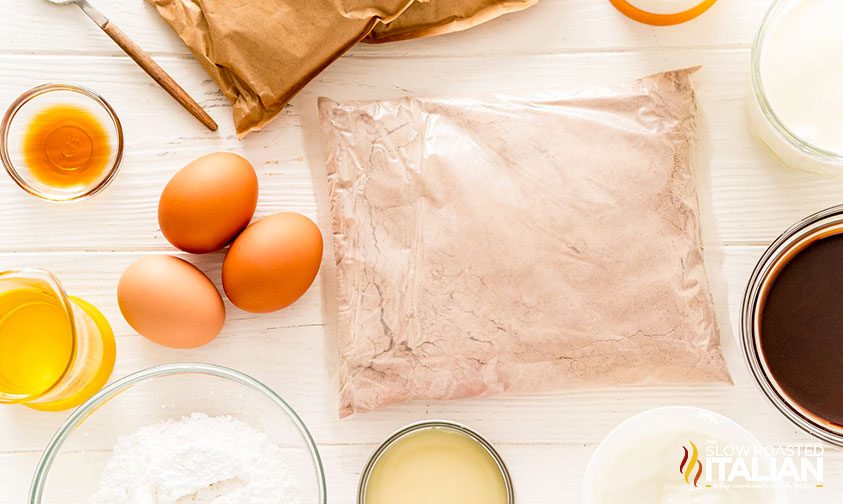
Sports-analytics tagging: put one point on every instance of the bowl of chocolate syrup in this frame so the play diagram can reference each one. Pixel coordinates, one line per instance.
(792, 324)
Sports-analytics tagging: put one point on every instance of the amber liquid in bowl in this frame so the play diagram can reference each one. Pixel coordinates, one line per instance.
(66, 146)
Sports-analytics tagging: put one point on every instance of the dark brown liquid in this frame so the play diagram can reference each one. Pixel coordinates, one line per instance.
(801, 328)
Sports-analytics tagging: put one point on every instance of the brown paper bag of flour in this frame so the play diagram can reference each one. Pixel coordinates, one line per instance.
(431, 17)
(262, 52)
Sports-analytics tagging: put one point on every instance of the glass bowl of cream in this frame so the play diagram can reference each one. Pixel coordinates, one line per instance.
(181, 433)
(797, 106)
(666, 456)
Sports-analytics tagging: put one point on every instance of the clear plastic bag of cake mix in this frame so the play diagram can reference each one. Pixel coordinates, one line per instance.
(516, 246)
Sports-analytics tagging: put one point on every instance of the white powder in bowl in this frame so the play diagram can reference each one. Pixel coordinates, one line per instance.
(197, 459)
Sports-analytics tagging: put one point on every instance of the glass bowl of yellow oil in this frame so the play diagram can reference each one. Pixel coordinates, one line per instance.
(56, 351)
(61, 142)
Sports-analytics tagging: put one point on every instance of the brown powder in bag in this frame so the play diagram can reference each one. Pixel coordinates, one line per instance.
(518, 246)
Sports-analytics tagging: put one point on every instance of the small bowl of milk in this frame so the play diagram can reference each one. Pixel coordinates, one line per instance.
(796, 107)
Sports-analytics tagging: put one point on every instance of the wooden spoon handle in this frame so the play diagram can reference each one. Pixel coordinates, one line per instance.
(158, 74)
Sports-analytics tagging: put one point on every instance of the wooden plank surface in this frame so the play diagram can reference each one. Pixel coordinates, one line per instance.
(550, 26)
(288, 352)
(559, 45)
(751, 195)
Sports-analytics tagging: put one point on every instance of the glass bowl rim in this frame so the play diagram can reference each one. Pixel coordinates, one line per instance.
(761, 95)
(29, 95)
(125, 383)
(749, 337)
(434, 424)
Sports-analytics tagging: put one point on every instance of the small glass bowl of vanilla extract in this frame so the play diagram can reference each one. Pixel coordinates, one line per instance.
(61, 142)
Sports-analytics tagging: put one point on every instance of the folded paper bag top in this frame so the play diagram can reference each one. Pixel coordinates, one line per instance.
(262, 52)
(513, 245)
(435, 17)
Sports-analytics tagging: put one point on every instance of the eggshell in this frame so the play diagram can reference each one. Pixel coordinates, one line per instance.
(272, 263)
(169, 301)
(208, 202)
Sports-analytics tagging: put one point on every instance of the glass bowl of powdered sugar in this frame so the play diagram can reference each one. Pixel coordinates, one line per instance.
(182, 434)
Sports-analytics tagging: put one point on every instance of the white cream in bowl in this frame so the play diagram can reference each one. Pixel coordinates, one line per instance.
(660, 457)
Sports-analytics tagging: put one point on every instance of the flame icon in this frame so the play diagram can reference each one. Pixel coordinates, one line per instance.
(689, 463)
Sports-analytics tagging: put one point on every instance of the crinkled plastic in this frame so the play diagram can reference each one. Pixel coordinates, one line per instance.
(518, 246)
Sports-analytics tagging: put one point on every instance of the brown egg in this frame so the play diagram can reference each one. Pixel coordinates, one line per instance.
(272, 263)
(208, 202)
(169, 301)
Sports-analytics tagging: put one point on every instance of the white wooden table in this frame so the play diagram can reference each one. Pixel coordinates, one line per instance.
(559, 44)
